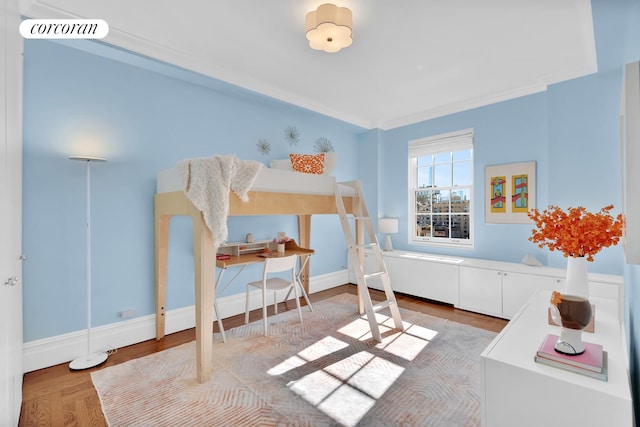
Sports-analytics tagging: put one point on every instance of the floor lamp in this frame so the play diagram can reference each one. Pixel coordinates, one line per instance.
(90, 359)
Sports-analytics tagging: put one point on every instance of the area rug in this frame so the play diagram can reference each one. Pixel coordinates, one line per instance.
(326, 371)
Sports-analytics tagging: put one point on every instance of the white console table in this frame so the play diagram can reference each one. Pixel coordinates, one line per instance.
(516, 391)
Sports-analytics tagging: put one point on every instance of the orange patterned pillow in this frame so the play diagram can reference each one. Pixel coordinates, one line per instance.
(308, 163)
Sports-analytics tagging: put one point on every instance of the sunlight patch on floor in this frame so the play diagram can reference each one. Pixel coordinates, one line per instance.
(347, 414)
(372, 375)
(408, 343)
(347, 389)
(325, 346)
(359, 329)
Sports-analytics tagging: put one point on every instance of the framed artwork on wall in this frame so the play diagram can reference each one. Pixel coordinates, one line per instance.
(510, 192)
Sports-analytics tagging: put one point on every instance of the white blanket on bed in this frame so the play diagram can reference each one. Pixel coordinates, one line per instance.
(207, 181)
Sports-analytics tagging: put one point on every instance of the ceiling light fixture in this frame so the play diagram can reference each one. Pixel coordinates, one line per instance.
(329, 28)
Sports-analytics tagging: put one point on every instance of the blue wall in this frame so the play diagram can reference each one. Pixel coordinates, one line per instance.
(142, 118)
(512, 131)
(584, 151)
(571, 131)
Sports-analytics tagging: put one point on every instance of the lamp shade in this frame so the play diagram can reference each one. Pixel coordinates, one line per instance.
(388, 225)
(329, 28)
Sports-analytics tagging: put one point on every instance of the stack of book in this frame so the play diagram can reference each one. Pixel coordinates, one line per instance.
(592, 363)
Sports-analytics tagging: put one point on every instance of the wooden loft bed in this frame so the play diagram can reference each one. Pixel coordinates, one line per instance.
(260, 203)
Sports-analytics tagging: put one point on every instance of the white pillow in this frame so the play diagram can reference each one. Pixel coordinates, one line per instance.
(281, 164)
(330, 160)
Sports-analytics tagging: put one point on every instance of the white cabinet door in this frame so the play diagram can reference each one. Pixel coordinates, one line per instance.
(558, 284)
(517, 288)
(481, 290)
(431, 280)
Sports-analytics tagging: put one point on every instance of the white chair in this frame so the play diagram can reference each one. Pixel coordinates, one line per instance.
(275, 284)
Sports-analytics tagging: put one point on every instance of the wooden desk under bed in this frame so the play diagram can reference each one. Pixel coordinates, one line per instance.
(260, 203)
(256, 255)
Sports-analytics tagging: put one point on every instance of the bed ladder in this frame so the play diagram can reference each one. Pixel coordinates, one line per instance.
(356, 257)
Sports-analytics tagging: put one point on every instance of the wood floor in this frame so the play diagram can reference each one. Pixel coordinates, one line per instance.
(57, 396)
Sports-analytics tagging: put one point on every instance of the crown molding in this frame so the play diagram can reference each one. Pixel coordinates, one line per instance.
(465, 105)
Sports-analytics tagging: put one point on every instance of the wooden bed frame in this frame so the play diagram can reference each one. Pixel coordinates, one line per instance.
(260, 203)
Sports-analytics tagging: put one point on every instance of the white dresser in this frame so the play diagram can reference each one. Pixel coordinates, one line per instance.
(516, 391)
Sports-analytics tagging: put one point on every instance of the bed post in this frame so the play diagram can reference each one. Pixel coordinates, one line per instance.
(205, 271)
(304, 233)
(162, 255)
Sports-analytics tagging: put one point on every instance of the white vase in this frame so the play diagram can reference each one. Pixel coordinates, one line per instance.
(577, 280)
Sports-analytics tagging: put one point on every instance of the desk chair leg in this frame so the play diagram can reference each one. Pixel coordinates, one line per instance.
(306, 297)
(295, 291)
(217, 311)
(264, 311)
(275, 302)
(304, 294)
(246, 308)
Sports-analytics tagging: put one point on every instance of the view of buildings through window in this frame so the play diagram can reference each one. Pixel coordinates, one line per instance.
(441, 190)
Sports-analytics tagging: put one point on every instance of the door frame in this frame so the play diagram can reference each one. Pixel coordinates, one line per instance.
(11, 320)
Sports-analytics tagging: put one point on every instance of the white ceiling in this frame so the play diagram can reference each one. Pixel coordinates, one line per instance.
(410, 60)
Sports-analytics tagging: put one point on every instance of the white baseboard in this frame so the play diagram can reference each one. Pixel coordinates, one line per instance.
(64, 348)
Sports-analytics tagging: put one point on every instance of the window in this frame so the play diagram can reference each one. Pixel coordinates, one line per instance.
(441, 190)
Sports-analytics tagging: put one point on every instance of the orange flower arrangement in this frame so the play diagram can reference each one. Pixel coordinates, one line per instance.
(576, 233)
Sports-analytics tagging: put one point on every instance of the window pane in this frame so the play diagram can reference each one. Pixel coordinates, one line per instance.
(443, 158)
(460, 200)
(440, 201)
(462, 173)
(423, 201)
(442, 175)
(440, 226)
(425, 160)
(423, 225)
(462, 155)
(460, 226)
(425, 177)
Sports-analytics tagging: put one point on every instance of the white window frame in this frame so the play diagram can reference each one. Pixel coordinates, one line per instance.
(449, 142)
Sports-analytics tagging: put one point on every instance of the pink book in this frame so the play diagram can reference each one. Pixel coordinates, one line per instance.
(591, 359)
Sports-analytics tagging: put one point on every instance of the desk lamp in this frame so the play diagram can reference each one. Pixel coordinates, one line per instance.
(388, 226)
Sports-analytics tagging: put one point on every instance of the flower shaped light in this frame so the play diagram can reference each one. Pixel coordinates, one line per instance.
(329, 28)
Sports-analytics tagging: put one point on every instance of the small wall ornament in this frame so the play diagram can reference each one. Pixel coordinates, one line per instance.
(291, 135)
(264, 147)
(322, 145)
